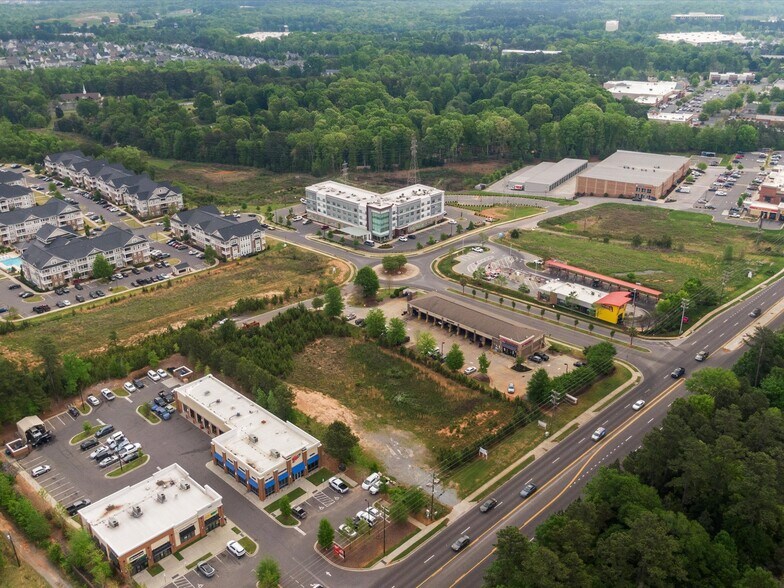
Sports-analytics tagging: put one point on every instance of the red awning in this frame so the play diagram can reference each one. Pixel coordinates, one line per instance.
(615, 281)
(617, 298)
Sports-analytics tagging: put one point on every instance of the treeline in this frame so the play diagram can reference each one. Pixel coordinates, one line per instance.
(699, 504)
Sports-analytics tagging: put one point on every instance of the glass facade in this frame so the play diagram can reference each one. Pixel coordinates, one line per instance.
(380, 225)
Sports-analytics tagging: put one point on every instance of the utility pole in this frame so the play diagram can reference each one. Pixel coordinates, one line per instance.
(432, 495)
(634, 318)
(684, 306)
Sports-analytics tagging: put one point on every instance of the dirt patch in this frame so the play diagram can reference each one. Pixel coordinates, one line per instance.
(325, 409)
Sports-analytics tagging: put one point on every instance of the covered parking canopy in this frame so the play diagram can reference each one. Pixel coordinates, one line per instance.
(620, 284)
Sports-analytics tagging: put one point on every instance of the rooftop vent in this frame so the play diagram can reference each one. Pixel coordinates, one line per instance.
(253, 439)
(136, 512)
(112, 522)
(275, 453)
(206, 392)
(161, 497)
(184, 485)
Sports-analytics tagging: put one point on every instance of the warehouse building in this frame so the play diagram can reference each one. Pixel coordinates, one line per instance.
(485, 329)
(546, 176)
(138, 526)
(647, 93)
(252, 445)
(632, 174)
(382, 216)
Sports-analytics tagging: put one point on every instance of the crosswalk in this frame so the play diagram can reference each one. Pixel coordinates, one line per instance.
(182, 582)
(322, 499)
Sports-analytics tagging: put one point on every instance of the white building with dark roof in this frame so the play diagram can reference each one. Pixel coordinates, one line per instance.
(14, 196)
(22, 224)
(57, 256)
(249, 443)
(228, 237)
(383, 216)
(139, 525)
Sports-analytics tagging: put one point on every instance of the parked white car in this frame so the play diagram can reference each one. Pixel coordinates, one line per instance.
(153, 375)
(40, 470)
(129, 387)
(109, 395)
(235, 548)
(93, 400)
(370, 480)
(162, 373)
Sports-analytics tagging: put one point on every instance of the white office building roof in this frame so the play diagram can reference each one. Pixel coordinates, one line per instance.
(256, 436)
(358, 195)
(690, 15)
(547, 172)
(529, 52)
(654, 90)
(112, 519)
(703, 38)
(636, 167)
(673, 117)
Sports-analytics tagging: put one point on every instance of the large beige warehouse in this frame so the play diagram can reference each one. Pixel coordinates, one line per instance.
(632, 174)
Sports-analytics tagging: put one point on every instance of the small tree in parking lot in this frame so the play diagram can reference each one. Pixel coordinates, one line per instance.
(484, 363)
(454, 358)
(326, 534)
(268, 573)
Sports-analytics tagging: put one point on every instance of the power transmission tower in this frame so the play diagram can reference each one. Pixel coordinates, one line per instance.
(413, 170)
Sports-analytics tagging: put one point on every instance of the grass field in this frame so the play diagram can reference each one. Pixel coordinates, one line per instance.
(229, 187)
(698, 246)
(17, 577)
(139, 313)
(505, 213)
(384, 389)
(474, 474)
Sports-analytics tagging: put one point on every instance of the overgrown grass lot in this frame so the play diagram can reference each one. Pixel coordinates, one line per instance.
(384, 389)
(657, 247)
(88, 327)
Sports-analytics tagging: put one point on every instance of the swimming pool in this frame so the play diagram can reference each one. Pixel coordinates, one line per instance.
(11, 263)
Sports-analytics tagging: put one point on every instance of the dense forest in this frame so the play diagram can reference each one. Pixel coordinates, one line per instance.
(699, 504)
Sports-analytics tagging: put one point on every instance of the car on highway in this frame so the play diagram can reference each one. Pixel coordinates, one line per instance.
(461, 543)
(528, 489)
(701, 356)
(488, 505)
(347, 530)
(638, 405)
(40, 470)
(205, 569)
(598, 434)
(88, 444)
(370, 480)
(755, 313)
(93, 400)
(677, 373)
(235, 548)
(338, 485)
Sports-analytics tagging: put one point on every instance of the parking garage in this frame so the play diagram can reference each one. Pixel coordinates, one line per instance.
(462, 319)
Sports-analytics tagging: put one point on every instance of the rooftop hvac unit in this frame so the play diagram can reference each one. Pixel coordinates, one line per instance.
(161, 497)
(184, 485)
(275, 453)
(112, 522)
(136, 512)
(206, 392)
(254, 439)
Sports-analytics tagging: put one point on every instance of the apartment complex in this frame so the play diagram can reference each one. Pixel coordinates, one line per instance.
(22, 224)
(647, 93)
(143, 196)
(632, 174)
(15, 196)
(381, 216)
(230, 238)
(12, 178)
(252, 445)
(138, 526)
(57, 255)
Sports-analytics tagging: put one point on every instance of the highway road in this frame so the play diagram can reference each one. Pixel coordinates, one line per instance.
(562, 473)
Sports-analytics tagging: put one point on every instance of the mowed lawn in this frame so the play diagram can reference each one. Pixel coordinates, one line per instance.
(384, 389)
(229, 187)
(88, 328)
(698, 246)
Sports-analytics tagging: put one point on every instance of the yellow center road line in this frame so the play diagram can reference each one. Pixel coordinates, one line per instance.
(588, 454)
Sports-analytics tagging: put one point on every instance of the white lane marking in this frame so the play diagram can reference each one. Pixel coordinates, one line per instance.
(627, 406)
(556, 459)
(581, 440)
(100, 422)
(650, 421)
(464, 531)
(709, 332)
(605, 422)
(627, 438)
(429, 558)
(298, 530)
(128, 398)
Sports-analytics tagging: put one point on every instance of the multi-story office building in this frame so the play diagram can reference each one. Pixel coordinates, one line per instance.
(381, 216)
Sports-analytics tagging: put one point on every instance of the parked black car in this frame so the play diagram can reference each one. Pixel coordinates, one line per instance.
(87, 444)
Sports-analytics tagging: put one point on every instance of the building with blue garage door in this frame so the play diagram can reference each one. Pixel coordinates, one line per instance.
(251, 444)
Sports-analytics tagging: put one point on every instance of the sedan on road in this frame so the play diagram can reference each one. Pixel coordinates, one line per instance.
(638, 405)
(527, 490)
(678, 372)
(701, 356)
(461, 543)
(488, 505)
(599, 434)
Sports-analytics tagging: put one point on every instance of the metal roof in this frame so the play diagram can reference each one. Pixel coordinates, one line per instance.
(610, 280)
(636, 167)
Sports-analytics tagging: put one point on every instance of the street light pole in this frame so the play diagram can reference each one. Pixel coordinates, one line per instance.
(16, 557)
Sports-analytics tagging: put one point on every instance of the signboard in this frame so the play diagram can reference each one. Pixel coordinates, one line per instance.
(338, 551)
